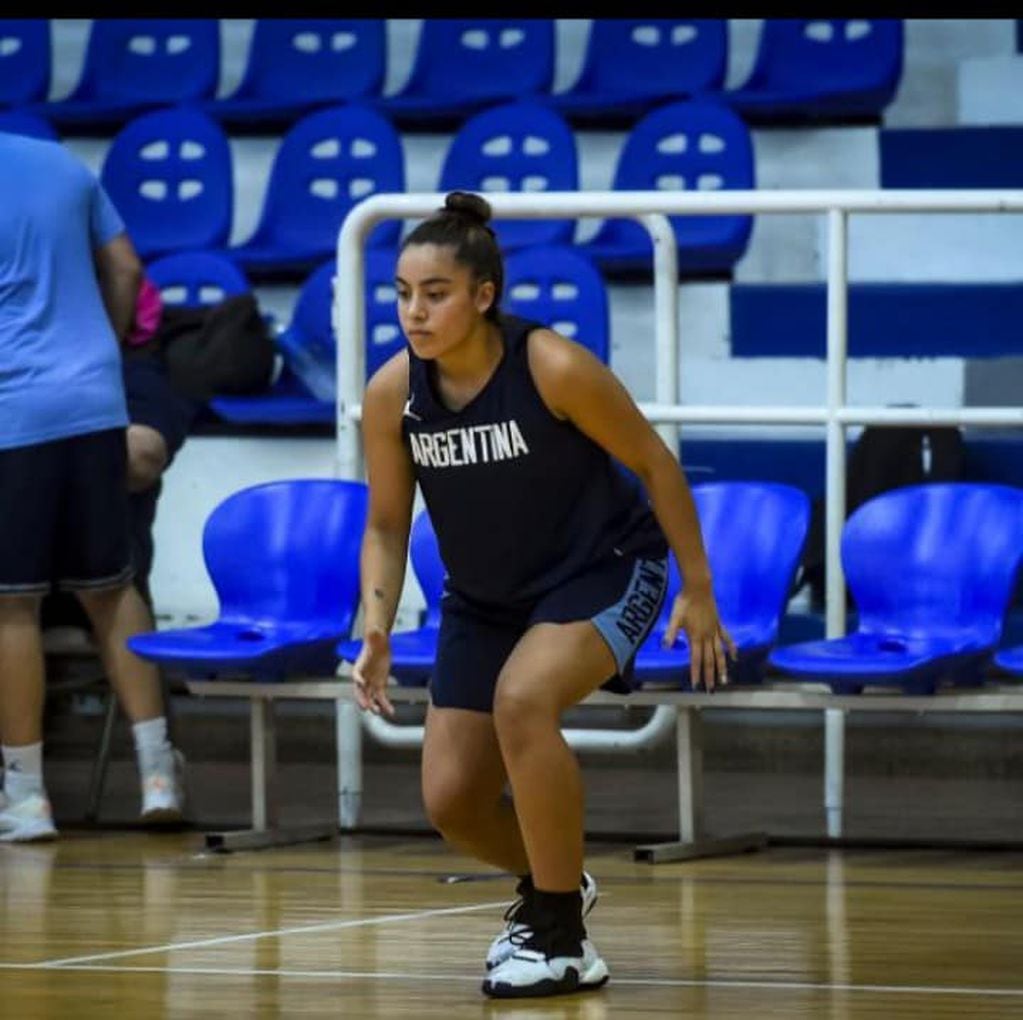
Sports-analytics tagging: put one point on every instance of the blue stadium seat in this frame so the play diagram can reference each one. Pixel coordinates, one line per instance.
(384, 337)
(516, 147)
(327, 163)
(1010, 659)
(308, 343)
(133, 65)
(168, 172)
(25, 60)
(930, 568)
(413, 651)
(194, 278)
(561, 288)
(296, 65)
(21, 122)
(695, 145)
(754, 534)
(284, 559)
(287, 403)
(632, 65)
(822, 69)
(464, 65)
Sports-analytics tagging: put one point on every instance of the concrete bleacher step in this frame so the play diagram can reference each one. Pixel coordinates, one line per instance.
(965, 156)
(989, 455)
(905, 320)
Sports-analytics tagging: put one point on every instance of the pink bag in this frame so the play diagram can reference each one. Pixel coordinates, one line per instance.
(148, 308)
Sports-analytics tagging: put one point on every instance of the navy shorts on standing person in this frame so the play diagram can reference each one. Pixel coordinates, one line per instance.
(622, 597)
(64, 515)
(152, 401)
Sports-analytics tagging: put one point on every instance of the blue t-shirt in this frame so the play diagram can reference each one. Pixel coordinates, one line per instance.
(60, 364)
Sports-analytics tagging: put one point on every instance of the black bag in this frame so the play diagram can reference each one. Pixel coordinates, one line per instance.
(884, 457)
(224, 348)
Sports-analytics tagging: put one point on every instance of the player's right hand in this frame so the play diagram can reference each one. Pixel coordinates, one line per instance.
(370, 673)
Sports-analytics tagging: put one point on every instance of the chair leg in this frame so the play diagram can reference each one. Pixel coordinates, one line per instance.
(102, 759)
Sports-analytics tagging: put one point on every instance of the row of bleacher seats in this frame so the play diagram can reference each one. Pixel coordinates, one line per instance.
(547, 283)
(812, 69)
(930, 568)
(169, 173)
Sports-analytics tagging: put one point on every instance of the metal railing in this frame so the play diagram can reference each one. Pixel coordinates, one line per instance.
(651, 208)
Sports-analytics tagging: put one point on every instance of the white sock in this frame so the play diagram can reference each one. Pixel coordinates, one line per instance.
(23, 771)
(151, 743)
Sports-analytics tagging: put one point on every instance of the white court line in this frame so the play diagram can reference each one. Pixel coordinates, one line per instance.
(335, 975)
(221, 940)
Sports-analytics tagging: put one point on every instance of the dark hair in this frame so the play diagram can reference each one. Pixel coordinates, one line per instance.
(462, 226)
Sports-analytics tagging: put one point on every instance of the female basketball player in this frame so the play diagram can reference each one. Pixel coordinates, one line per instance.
(556, 571)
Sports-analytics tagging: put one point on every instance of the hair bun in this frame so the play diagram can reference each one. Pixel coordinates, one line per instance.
(473, 207)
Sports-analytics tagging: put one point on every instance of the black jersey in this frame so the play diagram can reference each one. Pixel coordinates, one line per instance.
(520, 501)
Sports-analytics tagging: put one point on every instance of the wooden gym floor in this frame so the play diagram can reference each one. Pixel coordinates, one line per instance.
(121, 925)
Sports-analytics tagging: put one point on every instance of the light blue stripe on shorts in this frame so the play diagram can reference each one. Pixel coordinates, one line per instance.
(626, 624)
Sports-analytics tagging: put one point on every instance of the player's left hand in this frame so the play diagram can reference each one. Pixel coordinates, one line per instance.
(696, 613)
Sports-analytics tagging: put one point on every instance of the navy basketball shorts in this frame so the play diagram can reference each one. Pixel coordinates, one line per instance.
(64, 508)
(622, 598)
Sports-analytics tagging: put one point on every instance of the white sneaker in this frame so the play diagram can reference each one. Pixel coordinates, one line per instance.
(502, 947)
(29, 820)
(163, 790)
(532, 971)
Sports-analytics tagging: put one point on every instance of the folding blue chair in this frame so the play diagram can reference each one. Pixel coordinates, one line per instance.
(754, 534)
(930, 568)
(516, 147)
(25, 60)
(464, 65)
(21, 122)
(169, 175)
(133, 65)
(562, 289)
(284, 559)
(195, 278)
(693, 145)
(327, 163)
(413, 651)
(632, 65)
(821, 69)
(296, 65)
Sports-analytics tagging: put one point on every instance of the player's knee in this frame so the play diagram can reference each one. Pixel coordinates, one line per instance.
(451, 806)
(520, 711)
(147, 457)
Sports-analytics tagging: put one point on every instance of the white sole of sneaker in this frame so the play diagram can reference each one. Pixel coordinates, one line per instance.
(162, 816)
(37, 836)
(596, 977)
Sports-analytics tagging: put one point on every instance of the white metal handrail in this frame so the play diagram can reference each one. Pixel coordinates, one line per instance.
(650, 208)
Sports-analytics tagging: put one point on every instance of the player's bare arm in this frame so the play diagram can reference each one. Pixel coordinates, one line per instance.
(579, 388)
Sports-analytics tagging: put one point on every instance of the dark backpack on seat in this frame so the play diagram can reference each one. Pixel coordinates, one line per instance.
(884, 457)
(224, 348)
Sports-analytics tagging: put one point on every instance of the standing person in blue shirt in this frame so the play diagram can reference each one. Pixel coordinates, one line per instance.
(556, 571)
(68, 283)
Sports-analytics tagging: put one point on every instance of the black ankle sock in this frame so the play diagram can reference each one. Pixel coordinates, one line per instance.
(562, 910)
(525, 885)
